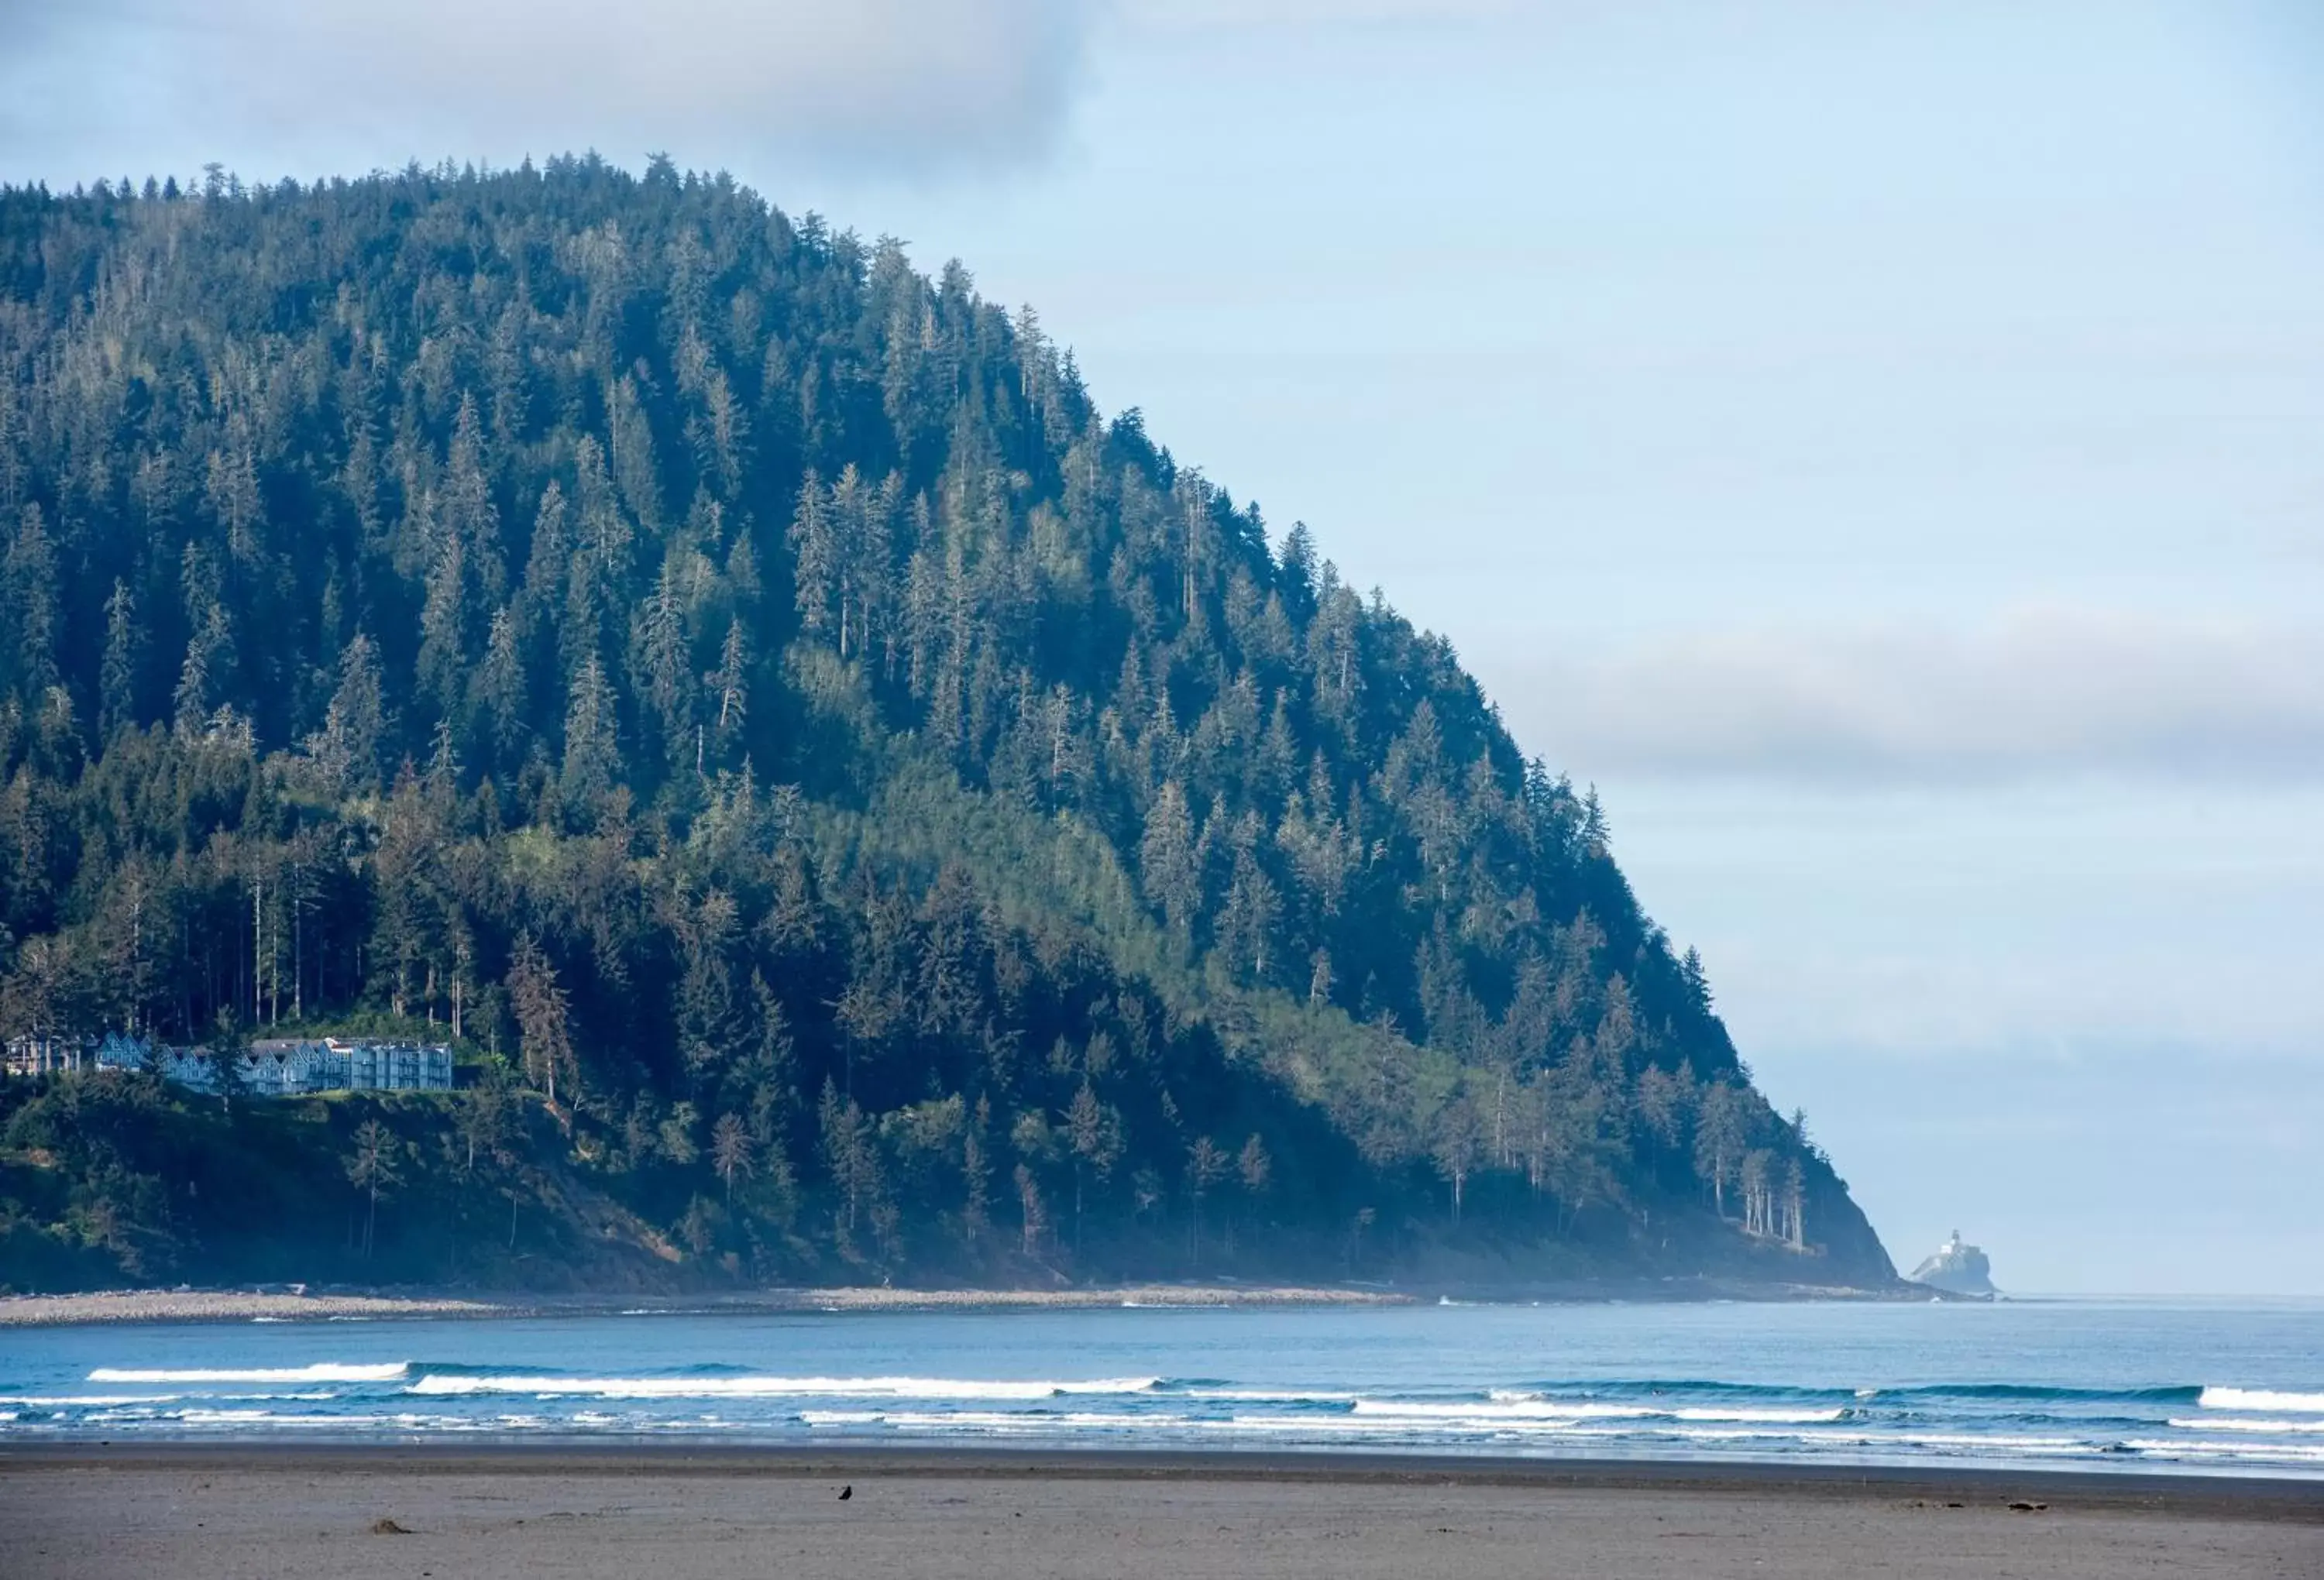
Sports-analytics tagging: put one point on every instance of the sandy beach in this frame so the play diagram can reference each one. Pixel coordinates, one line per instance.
(99, 1513)
(225, 1305)
(280, 1306)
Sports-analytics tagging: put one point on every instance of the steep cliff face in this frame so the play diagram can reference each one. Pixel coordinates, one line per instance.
(855, 807)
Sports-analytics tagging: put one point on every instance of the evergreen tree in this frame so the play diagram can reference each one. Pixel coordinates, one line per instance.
(1166, 861)
(117, 675)
(543, 1017)
(28, 576)
(593, 758)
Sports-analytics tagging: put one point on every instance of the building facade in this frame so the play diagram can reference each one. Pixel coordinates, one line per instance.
(41, 1053)
(274, 1066)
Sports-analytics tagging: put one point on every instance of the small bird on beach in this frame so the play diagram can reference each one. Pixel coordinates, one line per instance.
(847, 1493)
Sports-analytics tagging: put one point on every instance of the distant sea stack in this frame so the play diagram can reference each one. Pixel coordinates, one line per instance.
(1957, 1269)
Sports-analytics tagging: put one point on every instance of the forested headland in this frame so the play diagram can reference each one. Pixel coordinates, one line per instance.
(859, 812)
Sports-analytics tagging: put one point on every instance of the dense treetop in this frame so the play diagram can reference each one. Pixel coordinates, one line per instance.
(853, 804)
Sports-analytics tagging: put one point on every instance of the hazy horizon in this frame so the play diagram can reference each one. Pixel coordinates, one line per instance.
(1878, 450)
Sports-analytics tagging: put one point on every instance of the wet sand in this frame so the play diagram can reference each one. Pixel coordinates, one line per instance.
(192, 1513)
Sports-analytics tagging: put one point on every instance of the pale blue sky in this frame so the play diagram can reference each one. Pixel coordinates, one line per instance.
(1880, 445)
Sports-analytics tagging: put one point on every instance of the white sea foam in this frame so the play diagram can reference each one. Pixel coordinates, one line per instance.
(1808, 1435)
(1537, 1409)
(1009, 1421)
(324, 1372)
(1422, 1429)
(2245, 1424)
(1993, 1442)
(88, 1400)
(1264, 1395)
(1513, 1410)
(974, 1421)
(2261, 1398)
(1434, 1425)
(780, 1387)
(265, 1418)
(2001, 1443)
(2220, 1449)
(1332, 1426)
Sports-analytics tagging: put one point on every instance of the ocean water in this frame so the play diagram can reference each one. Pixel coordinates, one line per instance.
(2060, 1384)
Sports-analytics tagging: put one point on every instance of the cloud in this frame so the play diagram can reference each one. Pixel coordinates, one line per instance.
(1191, 15)
(2040, 693)
(910, 85)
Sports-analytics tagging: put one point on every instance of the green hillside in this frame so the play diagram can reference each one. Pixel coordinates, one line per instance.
(860, 813)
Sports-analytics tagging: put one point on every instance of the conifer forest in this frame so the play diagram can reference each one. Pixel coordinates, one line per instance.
(858, 813)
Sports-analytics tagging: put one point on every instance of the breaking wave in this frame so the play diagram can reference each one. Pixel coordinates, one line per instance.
(323, 1372)
(1550, 1409)
(2262, 1398)
(1123, 1381)
(747, 1387)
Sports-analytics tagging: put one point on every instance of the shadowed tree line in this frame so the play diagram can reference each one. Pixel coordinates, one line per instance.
(856, 809)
